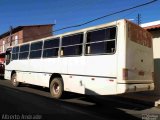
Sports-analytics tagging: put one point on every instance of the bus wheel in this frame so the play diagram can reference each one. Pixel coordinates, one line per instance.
(14, 81)
(56, 88)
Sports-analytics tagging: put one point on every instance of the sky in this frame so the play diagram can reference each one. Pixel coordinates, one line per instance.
(64, 13)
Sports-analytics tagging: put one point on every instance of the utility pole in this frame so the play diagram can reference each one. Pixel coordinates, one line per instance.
(139, 19)
(10, 36)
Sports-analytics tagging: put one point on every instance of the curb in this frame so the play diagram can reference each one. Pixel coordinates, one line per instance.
(138, 101)
(125, 99)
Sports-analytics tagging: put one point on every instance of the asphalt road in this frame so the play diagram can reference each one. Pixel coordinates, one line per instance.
(33, 102)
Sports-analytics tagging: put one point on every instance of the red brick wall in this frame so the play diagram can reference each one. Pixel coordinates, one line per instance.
(20, 36)
(28, 33)
(7, 39)
(36, 32)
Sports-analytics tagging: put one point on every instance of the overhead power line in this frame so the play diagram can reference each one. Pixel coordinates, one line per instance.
(137, 6)
(107, 15)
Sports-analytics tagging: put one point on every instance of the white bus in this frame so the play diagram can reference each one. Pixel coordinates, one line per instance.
(108, 59)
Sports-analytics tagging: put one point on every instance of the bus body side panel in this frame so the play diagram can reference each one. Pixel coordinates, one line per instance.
(100, 86)
(87, 75)
(32, 71)
(40, 75)
(7, 74)
(89, 86)
(103, 65)
(73, 83)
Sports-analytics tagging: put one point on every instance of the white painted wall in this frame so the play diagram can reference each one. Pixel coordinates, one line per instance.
(156, 51)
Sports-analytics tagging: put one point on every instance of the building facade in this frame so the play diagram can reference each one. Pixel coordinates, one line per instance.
(22, 34)
(154, 29)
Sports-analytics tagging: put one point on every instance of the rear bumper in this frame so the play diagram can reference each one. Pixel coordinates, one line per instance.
(123, 88)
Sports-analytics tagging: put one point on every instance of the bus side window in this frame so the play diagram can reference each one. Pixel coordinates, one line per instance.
(15, 52)
(24, 51)
(51, 48)
(101, 41)
(36, 50)
(72, 45)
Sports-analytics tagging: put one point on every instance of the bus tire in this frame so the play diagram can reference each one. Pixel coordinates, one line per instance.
(56, 88)
(14, 81)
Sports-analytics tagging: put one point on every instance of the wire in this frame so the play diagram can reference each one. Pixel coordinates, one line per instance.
(106, 16)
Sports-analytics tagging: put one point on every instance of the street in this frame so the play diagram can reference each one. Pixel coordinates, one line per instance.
(33, 102)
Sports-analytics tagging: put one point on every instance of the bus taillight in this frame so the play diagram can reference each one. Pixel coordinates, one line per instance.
(125, 74)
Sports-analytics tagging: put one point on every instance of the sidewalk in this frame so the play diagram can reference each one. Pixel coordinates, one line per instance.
(145, 97)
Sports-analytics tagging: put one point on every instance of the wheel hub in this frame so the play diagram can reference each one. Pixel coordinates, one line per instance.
(56, 88)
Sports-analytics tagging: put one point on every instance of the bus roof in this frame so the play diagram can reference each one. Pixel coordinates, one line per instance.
(76, 31)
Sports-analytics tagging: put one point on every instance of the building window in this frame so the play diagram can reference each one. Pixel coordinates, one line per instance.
(16, 40)
(3, 47)
(51, 48)
(72, 45)
(7, 43)
(101, 41)
(36, 50)
(15, 52)
(24, 51)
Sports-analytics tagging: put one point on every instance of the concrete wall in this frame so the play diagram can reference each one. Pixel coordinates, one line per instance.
(156, 51)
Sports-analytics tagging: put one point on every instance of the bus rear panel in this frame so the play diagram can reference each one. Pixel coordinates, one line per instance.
(138, 71)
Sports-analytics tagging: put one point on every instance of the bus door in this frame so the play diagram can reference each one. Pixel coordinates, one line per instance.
(8, 56)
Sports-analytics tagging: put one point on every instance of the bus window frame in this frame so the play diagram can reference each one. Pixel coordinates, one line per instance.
(82, 44)
(112, 53)
(14, 53)
(24, 51)
(51, 48)
(36, 50)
